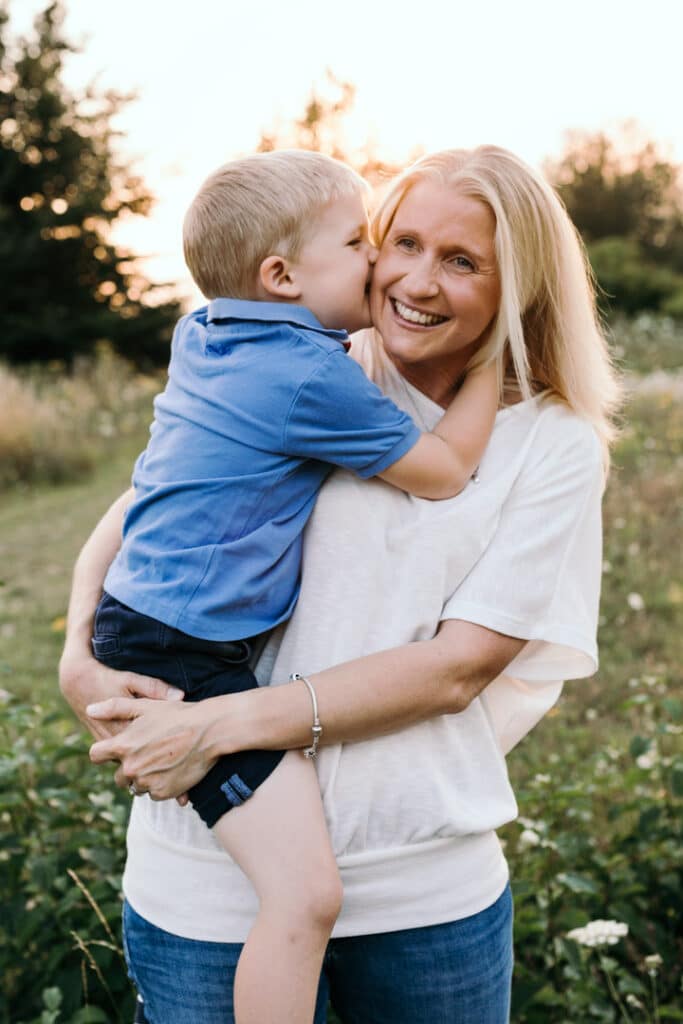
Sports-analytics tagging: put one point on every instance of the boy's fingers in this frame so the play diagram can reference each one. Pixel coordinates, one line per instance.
(154, 689)
(116, 707)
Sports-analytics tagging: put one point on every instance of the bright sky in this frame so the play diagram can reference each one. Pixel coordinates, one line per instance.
(212, 74)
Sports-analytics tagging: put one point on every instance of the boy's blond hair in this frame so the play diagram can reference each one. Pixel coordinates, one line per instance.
(261, 205)
(547, 326)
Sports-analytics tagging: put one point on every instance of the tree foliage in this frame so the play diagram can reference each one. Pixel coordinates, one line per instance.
(62, 187)
(626, 199)
(321, 128)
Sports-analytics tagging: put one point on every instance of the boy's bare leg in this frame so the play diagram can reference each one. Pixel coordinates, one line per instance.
(280, 840)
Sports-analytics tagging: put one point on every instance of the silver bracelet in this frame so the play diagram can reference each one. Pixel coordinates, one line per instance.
(316, 728)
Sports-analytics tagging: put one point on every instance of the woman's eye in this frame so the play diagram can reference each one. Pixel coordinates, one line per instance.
(461, 263)
(408, 244)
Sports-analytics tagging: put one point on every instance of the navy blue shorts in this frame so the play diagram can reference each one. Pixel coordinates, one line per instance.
(126, 639)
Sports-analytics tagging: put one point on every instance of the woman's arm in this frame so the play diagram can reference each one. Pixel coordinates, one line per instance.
(82, 679)
(167, 748)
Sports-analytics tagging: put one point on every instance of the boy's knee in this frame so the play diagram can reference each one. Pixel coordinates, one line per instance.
(315, 903)
(325, 902)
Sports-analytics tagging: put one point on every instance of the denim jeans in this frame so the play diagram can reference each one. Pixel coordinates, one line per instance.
(456, 973)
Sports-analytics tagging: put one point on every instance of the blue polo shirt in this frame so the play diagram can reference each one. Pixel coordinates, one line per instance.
(261, 402)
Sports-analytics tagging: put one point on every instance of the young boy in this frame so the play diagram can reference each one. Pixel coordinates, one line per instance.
(262, 401)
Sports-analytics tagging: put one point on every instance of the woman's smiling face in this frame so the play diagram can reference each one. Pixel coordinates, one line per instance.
(436, 287)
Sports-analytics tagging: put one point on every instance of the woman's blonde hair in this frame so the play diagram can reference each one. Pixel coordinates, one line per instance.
(547, 325)
(261, 205)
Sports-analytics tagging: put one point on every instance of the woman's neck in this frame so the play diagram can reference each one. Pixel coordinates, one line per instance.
(438, 382)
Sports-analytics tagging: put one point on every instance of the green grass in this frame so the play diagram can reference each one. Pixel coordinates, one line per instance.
(41, 531)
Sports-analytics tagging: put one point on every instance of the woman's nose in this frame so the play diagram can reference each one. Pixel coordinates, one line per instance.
(421, 280)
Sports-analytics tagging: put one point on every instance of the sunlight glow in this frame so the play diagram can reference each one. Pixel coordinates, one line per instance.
(210, 77)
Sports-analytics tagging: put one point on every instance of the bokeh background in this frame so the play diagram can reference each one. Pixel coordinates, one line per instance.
(110, 118)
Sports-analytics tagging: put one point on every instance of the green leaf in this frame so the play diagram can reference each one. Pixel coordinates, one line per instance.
(648, 819)
(677, 778)
(577, 883)
(52, 998)
(673, 707)
(89, 1015)
(639, 745)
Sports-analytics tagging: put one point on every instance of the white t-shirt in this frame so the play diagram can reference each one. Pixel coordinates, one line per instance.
(412, 815)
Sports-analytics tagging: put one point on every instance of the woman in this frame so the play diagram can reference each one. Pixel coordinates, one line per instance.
(463, 617)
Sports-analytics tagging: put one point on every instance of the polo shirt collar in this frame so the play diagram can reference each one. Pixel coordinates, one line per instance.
(283, 312)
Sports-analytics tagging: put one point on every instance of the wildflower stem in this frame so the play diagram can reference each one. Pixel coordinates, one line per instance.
(613, 991)
(655, 1000)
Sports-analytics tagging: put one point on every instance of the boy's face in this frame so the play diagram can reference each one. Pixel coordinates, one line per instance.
(335, 264)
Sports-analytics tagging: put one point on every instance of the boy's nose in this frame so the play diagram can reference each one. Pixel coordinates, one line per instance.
(373, 253)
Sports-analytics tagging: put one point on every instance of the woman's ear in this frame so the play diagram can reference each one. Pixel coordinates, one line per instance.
(277, 278)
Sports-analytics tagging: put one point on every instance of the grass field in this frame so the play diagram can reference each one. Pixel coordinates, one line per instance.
(597, 782)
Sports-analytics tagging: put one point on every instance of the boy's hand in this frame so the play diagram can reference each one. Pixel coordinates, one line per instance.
(84, 680)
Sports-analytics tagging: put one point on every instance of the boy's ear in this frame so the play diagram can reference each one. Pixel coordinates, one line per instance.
(277, 279)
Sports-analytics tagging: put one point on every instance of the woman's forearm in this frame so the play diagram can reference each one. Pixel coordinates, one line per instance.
(377, 694)
(167, 749)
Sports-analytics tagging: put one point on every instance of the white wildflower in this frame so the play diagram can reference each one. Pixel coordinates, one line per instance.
(541, 778)
(529, 838)
(634, 1001)
(635, 602)
(647, 760)
(599, 933)
(653, 963)
(591, 714)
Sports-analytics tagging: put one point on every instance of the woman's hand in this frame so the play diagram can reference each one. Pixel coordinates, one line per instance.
(84, 680)
(161, 748)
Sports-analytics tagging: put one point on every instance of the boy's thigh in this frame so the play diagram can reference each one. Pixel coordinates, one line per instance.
(457, 973)
(126, 639)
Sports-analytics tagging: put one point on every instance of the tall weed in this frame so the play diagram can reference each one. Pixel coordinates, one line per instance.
(54, 425)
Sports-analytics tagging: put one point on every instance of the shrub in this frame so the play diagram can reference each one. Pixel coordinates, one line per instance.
(61, 854)
(647, 343)
(600, 837)
(628, 282)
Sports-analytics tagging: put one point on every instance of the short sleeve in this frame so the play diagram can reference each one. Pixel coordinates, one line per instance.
(539, 578)
(341, 417)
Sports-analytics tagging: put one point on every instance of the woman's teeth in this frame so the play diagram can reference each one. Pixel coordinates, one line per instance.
(414, 317)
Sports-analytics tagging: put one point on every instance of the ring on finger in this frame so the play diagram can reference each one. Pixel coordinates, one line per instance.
(133, 790)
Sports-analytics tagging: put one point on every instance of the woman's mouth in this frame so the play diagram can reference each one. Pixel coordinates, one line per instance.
(416, 316)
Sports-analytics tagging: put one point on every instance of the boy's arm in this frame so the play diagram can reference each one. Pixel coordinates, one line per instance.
(441, 463)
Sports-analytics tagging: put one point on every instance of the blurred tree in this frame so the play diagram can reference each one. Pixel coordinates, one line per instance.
(64, 285)
(626, 199)
(321, 128)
